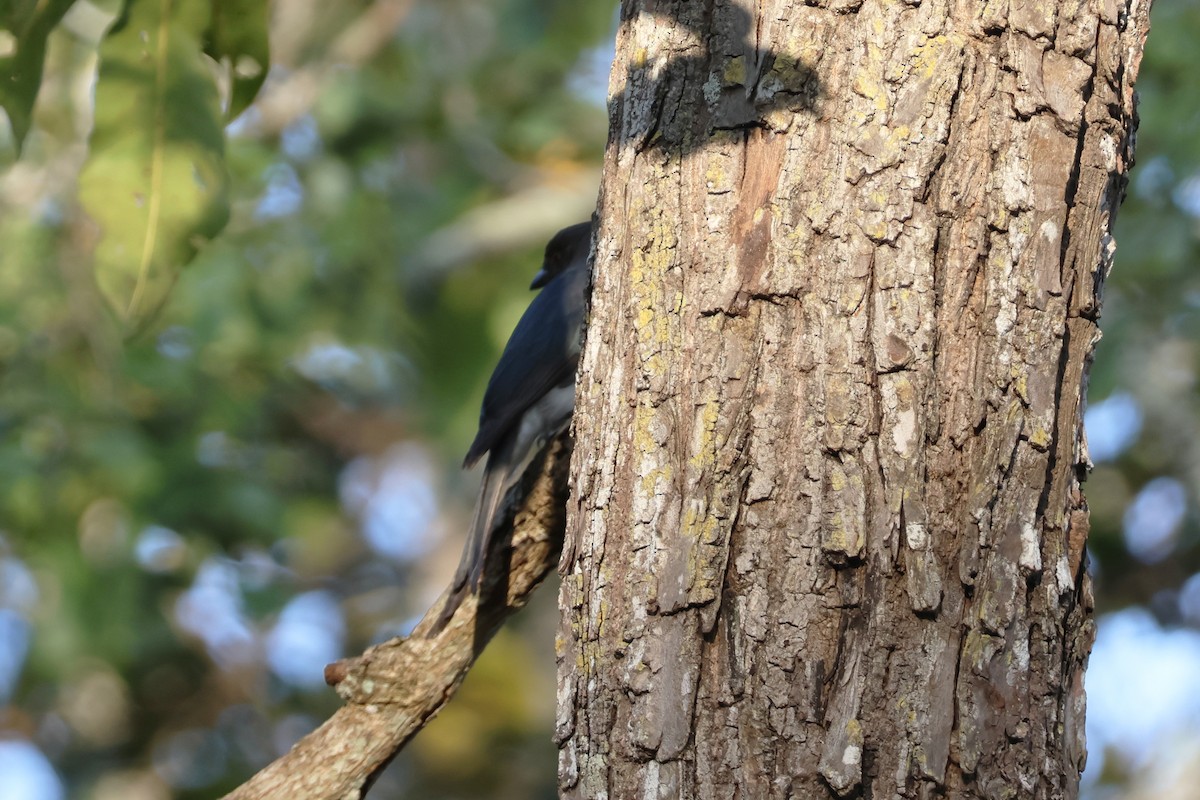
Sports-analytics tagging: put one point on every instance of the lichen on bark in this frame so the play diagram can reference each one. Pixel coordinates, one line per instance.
(827, 508)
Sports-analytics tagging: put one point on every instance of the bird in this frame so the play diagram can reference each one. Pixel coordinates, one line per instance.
(530, 396)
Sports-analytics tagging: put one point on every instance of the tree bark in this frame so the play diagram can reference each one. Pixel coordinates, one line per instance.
(827, 509)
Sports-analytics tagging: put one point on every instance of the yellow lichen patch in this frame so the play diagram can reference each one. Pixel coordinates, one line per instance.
(1000, 217)
(843, 528)
(1040, 438)
(838, 537)
(602, 615)
(977, 648)
(699, 528)
(855, 290)
(867, 86)
(647, 273)
(644, 438)
(837, 479)
(815, 209)
(705, 455)
(662, 233)
(896, 139)
(735, 72)
(715, 175)
(791, 70)
(927, 58)
(636, 274)
(653, 478)
(856, 119)
(1014, 410)
(1020, 384)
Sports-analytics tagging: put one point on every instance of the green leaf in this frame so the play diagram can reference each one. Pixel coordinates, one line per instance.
(155, 180)
(237, 38)
(24, 28)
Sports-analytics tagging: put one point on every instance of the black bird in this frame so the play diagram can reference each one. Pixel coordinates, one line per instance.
(530, 396)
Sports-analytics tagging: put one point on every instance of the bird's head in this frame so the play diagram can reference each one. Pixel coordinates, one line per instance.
(567, 245)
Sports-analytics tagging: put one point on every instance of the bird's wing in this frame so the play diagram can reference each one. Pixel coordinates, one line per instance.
(541, 354)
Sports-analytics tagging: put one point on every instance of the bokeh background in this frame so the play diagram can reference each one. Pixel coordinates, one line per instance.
(203, 507)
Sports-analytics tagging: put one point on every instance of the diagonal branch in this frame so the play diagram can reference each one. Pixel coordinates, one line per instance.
(393, 689)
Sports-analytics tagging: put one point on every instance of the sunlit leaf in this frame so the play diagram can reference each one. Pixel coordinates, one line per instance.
(237, 38)
(24, 27)
(155, 180)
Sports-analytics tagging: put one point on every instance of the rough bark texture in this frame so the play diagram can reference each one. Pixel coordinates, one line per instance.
(394, 689)
(827, 487)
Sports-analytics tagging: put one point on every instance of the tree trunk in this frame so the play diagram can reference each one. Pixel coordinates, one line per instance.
(830, 532)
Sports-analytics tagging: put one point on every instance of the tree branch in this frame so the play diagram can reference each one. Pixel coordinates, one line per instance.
(393, 689)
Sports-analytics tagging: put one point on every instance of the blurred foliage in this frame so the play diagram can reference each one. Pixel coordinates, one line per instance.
(1151, 325)
(28, 24)
(155, 180)
(236, 37)
(286, 420)
(195, 518)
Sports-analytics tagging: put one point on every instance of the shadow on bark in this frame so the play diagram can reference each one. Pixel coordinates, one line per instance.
(744, 86)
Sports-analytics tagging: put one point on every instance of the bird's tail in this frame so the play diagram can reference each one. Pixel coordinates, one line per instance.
(497, 480)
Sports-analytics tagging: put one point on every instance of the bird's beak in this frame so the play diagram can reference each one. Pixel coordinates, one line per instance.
(541, 279)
